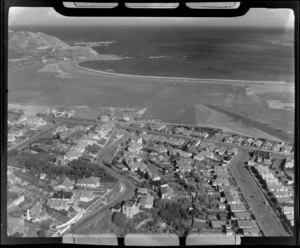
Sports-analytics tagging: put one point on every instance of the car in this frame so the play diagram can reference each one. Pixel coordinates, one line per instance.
(265, 202)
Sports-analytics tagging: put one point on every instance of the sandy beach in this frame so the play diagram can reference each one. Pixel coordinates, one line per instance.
(182, 79)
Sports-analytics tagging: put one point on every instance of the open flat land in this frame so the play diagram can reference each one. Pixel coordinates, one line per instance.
(238, 106)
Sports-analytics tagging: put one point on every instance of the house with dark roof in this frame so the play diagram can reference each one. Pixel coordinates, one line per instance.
(61, 200)
(116, 208)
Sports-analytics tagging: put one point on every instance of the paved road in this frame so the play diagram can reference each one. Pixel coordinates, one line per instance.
(119, 125)
(264, 214)
(129, 189)
(94, 216)
(220, 144)
(33, 138)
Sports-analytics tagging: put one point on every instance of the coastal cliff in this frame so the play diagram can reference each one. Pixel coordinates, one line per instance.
(46, 47)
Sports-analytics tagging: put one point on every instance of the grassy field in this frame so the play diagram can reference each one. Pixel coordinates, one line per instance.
(168, 100)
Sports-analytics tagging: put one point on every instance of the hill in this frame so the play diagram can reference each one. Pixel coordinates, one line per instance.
(40, 45)
(23, 43)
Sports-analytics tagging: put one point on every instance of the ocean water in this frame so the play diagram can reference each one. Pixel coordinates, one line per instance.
(197, 52)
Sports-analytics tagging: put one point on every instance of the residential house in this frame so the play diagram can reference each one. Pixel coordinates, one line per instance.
(261, 168)
(239, 141)
(116, 208)
(246, 224)
(227, 159)
(209, 154)
(161, 149)
(220, 182)
(267, 145)
(285, 200)
(287, 149)
(229, 140)
(19, 200)
(248, 142)
(233, 199)
(197, 142)
(34, 213)
(135, 147)
(252, 232)
(229, 232)
(289, 163)
(130, 208)
(142, 191)
(273, 181)
(200, 156)
(222, 215)
(222, 150)
(276, 147)
(288, 210)
(11, 137)
(222, 206)
(237, 208)
(267, 175)
(212, 216)
(88, 182)
(216, 157)
(218, 224)
(182, 194)
(185, 164)
(122, 167)
(257, 143)
(167, 192)
(84, 195)
(230, 190)
(242, 216)
(67, 185)
(146, 201)
(290, 217)
(212, 147)
(279, 194)
(42, 176)
(61, 200)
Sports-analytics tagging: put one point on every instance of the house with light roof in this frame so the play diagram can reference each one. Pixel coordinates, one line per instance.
(88, 182)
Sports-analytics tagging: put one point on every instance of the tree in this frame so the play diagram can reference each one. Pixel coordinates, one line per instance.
(119, 219)
(41, 233)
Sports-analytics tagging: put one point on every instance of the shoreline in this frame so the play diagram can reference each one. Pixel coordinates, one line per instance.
(190, 80)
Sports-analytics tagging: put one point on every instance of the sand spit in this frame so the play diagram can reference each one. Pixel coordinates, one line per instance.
(192, 80)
